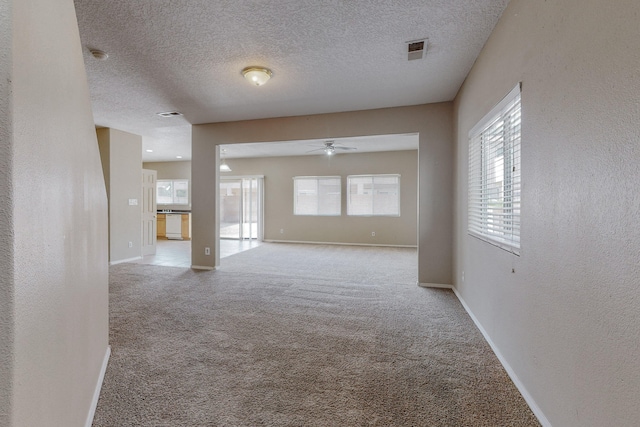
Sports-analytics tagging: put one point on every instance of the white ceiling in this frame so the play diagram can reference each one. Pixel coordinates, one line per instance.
(326, 56)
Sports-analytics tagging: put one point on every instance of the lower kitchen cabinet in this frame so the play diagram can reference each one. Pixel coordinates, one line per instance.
(186, 226)
(162, 226)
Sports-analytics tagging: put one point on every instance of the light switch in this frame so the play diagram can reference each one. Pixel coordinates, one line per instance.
(133, 202)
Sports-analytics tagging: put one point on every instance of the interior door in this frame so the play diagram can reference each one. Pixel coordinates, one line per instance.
(149, 208)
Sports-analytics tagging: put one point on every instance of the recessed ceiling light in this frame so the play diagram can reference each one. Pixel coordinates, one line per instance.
(257, 75)
(178, 157)
(149, 151)
(169, 114)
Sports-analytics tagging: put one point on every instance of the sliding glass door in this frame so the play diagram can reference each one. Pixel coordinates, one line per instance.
(241, 208)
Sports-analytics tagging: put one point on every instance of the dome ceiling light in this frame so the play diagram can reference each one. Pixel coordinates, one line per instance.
(257, 75)
(99, 54)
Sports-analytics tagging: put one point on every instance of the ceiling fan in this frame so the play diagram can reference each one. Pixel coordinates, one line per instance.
(330, 148)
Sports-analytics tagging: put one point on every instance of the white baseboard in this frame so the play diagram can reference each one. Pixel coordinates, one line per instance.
(120, 261)
(435, 285)
(339, 244)
(96, 392)
(202, 267)
(519, 385)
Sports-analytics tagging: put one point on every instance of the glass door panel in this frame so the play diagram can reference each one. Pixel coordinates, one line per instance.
(240, 208)
(230, 209)
(250, 208)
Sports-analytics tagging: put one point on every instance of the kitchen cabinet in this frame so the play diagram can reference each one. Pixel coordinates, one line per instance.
(162, 226)
(186, 226)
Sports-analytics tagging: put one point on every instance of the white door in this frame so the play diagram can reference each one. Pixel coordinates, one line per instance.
(149, 207)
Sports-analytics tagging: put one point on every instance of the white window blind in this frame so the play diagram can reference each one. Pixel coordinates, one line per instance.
(373, 195)
(172, 192)
(317, 195)
(494, 175)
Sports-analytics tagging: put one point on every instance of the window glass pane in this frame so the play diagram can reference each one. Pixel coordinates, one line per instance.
(319, 196)
(164, 192)
(360, 195)
(373, 195)
(180, 192)
(329, 196)
(306, 197)
(386, 200)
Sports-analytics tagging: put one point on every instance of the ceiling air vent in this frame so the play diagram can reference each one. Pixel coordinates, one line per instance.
(169, 114)
(416, 49)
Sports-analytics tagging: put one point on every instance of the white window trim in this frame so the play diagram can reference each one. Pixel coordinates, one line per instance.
(395, 175)
(317, 178)
(475, 200)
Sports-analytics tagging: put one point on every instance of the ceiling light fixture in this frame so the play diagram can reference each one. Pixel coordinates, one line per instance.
(257, 75)
(224, 167)
(99, 54)
(149, 151)
(178, 157)
(169, 114)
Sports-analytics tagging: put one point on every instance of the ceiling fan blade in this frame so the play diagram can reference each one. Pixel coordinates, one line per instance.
(317, 149)
(344, 148)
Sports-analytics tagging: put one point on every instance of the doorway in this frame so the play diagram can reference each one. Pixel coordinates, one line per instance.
(241, 201)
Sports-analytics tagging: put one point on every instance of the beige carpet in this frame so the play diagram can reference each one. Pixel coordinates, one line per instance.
(297, 335)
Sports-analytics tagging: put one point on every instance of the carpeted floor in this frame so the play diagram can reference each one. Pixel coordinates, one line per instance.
(298, 335)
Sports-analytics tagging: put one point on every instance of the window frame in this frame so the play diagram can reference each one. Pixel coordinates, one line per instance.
(373, 214)
(317, 179)
(173, 191)
(494, 139)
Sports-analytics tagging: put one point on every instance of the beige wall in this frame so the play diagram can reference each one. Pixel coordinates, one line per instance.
(172, 170)
(7, 325)
(121, 154)
(278, 186)
(59, 288)
(568, 320)
(432, 122)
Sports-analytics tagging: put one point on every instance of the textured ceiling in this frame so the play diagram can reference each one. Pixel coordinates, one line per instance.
(326, 56)
(312, 147)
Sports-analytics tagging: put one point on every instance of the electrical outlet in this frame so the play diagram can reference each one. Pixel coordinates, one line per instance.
(130, 244)
(282, 231)
(463, 275)
(207, 251)
(373, 234)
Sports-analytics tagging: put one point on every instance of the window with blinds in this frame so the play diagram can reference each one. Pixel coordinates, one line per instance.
(373, 195)
(317, 195)
(494, 175)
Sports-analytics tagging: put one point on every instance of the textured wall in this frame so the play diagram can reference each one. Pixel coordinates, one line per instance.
(433, 123)
(567, 321)
(6, 216)
(278, 186)
(60, 222)
(121, 155)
